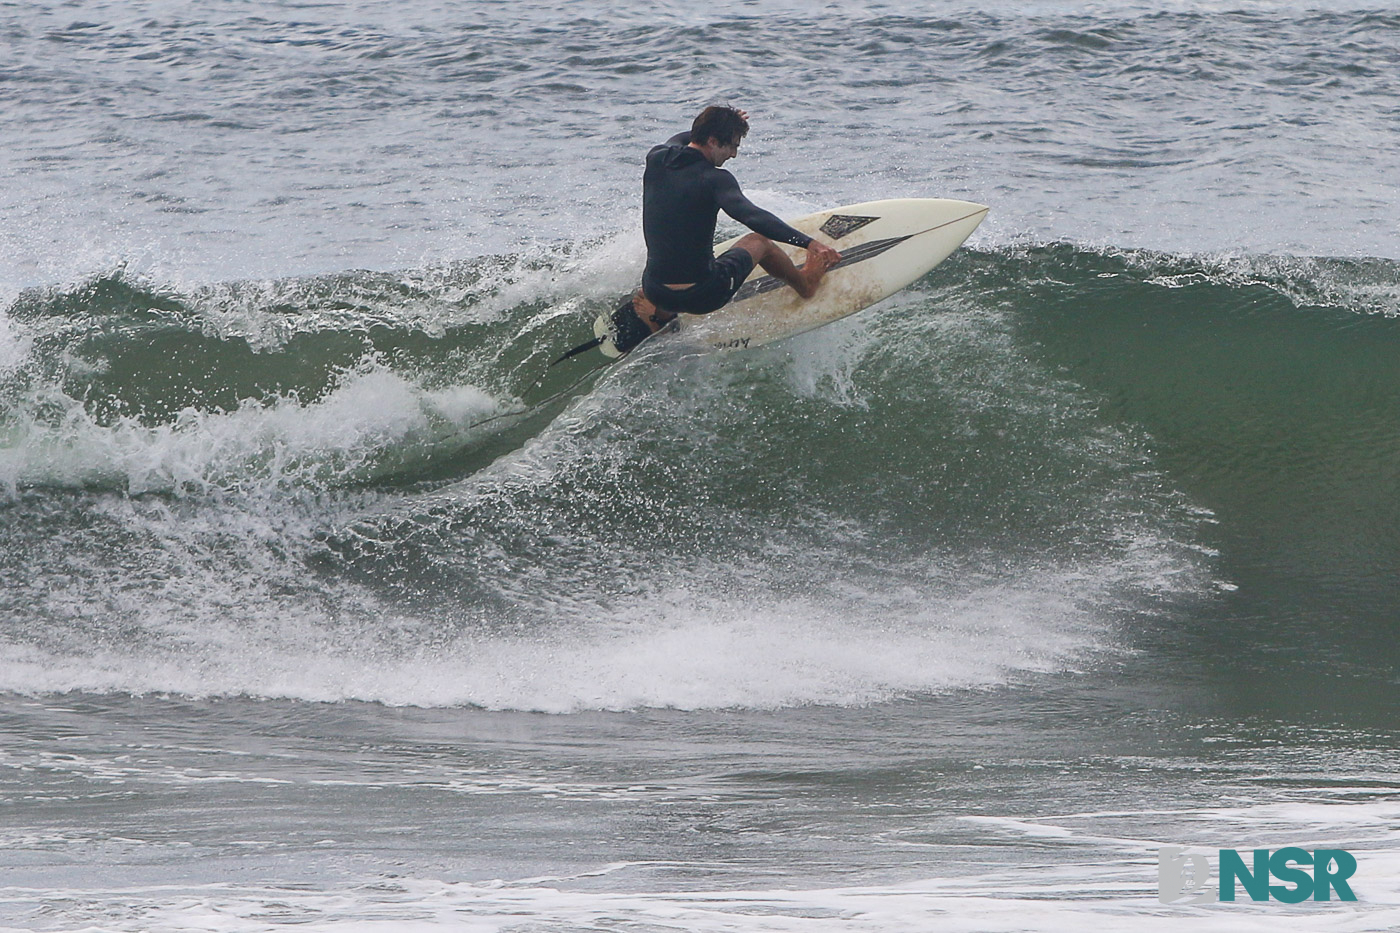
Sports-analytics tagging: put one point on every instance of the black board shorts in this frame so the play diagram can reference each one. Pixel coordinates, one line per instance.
(711, 293)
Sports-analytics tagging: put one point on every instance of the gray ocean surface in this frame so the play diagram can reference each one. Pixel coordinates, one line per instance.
(946, 616)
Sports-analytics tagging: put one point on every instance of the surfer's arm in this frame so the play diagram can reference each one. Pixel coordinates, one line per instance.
(733, 202)
(680, 139)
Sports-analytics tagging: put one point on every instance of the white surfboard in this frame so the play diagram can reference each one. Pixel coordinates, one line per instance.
(884, 246)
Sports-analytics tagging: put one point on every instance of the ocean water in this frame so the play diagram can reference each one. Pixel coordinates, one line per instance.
(946, 616)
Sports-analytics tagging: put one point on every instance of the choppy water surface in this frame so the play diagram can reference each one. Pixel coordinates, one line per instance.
(949, 614)
(256, 139)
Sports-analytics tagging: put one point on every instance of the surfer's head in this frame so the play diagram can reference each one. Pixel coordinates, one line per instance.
(724, 124)
(717, 131)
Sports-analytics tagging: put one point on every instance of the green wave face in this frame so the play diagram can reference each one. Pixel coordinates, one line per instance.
(1023, 463)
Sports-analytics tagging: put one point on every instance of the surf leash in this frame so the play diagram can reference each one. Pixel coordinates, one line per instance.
(583, 347)
(528, 409)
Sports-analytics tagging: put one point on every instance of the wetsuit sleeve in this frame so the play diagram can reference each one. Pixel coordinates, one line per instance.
(733, 202)
(680, 139)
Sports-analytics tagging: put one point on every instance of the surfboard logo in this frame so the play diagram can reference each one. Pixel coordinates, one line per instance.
(838, 225)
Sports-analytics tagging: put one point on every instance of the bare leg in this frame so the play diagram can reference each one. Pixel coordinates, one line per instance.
(776, 263)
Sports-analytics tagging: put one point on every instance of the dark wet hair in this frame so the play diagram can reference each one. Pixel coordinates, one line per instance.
(719, 122)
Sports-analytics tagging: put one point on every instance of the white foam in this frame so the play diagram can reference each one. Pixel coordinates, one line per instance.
(262, 445)
(14, 346)
(1362, 286)
(675, 649)
(1070, 897)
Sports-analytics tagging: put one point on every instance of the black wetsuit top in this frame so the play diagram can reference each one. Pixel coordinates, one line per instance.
(682, 194)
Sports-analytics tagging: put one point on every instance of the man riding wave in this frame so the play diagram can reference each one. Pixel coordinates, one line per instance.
(683, 190)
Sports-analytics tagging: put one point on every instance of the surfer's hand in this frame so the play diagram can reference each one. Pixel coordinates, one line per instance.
(821, 254)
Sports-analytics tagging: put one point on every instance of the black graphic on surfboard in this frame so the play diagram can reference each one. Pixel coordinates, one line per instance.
(838, 225)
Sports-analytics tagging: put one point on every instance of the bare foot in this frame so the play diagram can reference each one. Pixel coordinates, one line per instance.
(650, 314)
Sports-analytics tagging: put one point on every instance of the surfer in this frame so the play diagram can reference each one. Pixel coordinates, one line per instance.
(683, 189)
